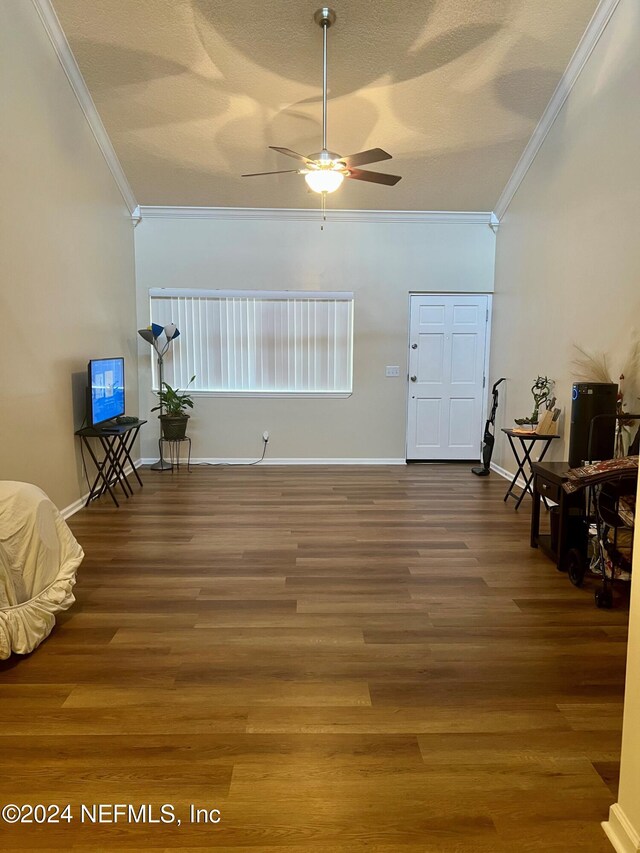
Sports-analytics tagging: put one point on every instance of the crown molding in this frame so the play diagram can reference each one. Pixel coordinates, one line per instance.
(284, 214)
(597, 25)
(67, 60)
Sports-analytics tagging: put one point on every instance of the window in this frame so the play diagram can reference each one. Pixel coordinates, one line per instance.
(258, 342)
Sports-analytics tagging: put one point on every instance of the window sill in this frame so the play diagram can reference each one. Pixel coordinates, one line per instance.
(278, 395)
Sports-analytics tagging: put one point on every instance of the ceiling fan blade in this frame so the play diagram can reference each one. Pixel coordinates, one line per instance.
(291, 153)
(371, 155)
(373, 177)
(279, 172)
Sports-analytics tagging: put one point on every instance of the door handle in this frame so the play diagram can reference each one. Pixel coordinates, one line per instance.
(414, 346)
(414, 378)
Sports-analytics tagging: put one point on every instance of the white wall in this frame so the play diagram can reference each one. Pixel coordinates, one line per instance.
(380, 262)
(568, 252)
(67, 289)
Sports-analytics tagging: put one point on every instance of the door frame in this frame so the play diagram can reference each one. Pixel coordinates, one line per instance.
(487, 352)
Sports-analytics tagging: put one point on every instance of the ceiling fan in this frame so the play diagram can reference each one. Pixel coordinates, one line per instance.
(325, 170)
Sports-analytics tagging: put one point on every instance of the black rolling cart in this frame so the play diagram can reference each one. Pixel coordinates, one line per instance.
(116, 442)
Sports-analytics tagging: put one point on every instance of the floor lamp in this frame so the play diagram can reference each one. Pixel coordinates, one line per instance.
(152, 336)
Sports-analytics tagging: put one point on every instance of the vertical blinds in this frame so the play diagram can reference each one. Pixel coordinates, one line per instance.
(257, 341)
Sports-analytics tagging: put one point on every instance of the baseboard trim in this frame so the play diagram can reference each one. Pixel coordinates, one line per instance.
(204, 460)
(620, 832)
(508, 475)
(70, 510)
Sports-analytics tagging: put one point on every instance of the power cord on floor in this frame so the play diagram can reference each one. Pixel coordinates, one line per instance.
(265, 441)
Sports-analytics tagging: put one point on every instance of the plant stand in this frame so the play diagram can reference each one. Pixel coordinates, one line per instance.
(174, 445)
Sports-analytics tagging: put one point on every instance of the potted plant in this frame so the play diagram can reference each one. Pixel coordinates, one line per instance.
(541, 392)
(173, 406)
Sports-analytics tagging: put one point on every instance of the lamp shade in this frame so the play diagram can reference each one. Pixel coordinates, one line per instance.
(324, 180)
(157, 330)
(147, 335)
(171, 331)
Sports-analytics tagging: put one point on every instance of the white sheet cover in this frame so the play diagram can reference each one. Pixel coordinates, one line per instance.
(39, 558)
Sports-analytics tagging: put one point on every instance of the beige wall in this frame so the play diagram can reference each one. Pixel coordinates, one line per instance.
(568, 252)
(568, 271)
(380, 262)
(66, 260)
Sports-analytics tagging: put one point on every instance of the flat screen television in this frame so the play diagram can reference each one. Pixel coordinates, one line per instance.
(106, 390)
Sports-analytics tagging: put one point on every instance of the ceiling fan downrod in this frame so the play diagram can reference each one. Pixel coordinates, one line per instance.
(325, 17)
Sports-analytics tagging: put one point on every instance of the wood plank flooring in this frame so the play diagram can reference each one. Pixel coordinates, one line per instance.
(339, 659)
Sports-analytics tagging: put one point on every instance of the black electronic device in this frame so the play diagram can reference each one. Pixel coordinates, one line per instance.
(105, 396)
(589, 399)
(126, 419)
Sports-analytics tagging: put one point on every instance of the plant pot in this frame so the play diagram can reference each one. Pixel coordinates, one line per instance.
(174, 427)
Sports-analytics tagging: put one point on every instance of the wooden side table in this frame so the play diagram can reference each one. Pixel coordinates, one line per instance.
(526, 441)
(548, 478)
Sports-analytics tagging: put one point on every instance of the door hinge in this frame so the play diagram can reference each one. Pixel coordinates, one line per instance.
(486, 319)
(484, 379)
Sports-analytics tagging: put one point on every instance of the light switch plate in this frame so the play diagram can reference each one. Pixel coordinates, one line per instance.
(392, 370)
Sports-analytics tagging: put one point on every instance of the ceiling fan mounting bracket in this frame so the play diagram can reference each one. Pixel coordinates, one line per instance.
(325, 155)
(325, 16)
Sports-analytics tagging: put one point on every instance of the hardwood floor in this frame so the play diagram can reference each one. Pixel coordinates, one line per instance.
(338, 659)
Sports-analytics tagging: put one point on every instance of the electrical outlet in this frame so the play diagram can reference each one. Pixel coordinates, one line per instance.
(392, 370)
(265, 435)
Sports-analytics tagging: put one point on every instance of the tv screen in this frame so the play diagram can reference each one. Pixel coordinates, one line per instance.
(106, 389)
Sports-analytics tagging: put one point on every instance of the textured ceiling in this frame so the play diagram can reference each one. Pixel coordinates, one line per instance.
(193, 91)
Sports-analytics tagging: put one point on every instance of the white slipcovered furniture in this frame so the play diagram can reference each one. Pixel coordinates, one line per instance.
(39, 558)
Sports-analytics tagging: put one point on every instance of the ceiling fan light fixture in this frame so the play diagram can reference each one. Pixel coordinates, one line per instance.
(324, 180)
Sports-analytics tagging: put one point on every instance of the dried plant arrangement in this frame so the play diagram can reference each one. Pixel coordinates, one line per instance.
(594, 367)
(590, 367)
(630, 378)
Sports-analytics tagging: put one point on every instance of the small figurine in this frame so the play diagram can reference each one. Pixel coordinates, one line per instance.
(541, 392)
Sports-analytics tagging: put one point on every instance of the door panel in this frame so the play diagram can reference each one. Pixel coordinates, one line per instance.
(428, 420)
(432, 315)
(464, 352)
(465, 315)
(431, 358)
(461, 423)
(447, 368)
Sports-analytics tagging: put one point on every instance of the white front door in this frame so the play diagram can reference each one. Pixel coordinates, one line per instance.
(447, 349)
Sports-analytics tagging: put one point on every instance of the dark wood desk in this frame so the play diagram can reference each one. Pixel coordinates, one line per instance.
(116, 441)
(548, 478)
(527, 441)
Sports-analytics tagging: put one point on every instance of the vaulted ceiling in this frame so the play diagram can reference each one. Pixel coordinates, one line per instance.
(193, 91)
